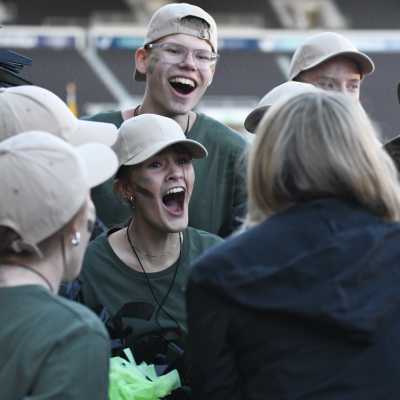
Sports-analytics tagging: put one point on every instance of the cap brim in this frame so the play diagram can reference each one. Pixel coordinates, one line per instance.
(94, 132)
(100, 161)
(366, 64)
(253, 119)
(196, 149)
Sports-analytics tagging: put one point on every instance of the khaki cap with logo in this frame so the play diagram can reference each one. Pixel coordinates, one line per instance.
(282, 91)
(45, 181)
(323, 47)
(27, 108)
(167, 21)
(144, 136)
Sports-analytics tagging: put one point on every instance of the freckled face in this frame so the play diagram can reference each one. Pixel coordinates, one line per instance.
(165, 81)
(338, 74)
(162, 187)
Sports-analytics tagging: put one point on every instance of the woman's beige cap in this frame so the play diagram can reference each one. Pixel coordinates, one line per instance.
(27, 108)
(141, 137)
(45, 181)
(324, 46)
(166, 21)
(282, 91)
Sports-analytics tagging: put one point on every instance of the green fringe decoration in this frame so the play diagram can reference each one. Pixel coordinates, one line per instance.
(129, 381)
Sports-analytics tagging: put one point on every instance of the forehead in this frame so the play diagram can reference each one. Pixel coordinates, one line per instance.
(187, 41)
(338, 66)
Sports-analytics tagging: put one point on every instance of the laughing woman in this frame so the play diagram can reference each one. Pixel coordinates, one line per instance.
(137, 274)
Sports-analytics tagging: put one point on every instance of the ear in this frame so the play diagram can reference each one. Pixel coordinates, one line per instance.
(141, 60)
(124, 189)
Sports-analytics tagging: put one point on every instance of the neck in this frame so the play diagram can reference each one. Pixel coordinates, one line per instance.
(28, 271)
(185, 121)
(156, 250)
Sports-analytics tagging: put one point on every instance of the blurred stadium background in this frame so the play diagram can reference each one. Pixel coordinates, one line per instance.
(83, 50)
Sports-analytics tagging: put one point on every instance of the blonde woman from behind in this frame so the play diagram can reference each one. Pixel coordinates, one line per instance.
(306, 302)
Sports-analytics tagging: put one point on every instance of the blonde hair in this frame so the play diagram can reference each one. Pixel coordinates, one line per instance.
(319, 145)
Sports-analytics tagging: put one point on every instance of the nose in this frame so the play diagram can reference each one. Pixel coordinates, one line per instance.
(189, 59)
(348, 91)
(175, 171)
(343, 89)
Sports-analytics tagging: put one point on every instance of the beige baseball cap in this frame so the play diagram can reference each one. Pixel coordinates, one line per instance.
(27, 108)
(45, 181)
(282, 91)
(142, 137)
(167, 21)
(324, 46)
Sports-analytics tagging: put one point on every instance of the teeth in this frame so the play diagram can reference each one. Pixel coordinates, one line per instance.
(184, 81)
(175, 190)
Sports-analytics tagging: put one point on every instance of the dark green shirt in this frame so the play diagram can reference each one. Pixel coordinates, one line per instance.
(51, 348)
(219, 194)
(107, 281)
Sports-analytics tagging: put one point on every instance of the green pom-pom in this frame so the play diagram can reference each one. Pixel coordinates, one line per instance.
(129, 381)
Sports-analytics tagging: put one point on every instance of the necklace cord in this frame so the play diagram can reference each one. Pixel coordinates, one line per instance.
(187, 125)
(160, 305)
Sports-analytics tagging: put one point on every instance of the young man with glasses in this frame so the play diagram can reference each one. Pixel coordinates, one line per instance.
(177, 63)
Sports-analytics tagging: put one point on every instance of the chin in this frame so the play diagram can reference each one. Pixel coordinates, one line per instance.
(177, 226)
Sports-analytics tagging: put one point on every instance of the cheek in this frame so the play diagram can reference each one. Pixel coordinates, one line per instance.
(207, 77)
(147, 186)
(153, 61)
(190, 178)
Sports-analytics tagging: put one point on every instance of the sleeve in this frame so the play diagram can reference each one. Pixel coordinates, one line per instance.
(212, 365)
(76, 369)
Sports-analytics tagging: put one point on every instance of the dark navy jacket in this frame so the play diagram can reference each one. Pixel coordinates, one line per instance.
(304, 306)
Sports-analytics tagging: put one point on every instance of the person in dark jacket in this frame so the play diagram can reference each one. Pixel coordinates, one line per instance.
(305, 304)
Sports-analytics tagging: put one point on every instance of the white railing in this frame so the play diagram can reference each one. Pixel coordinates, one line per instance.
(239, 38)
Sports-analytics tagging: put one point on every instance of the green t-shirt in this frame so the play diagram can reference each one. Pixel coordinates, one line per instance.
(219, 195)
(51, 348)
(108, 282)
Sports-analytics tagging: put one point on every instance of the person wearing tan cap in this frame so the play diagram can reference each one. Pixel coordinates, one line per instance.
(25, 108)
(51, 348)
(138, 272)
(283, 91)
(330, 61)
(177, 63)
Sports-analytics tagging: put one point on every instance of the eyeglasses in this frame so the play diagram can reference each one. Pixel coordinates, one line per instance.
(175, 53)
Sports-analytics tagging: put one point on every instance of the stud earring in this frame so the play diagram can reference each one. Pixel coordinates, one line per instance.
(131, 199)
(76, 239)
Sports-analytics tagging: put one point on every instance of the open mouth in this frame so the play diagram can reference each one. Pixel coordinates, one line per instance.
(183, 85)
(174, 199)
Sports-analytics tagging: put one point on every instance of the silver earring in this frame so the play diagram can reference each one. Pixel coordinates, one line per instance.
(76, 239)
